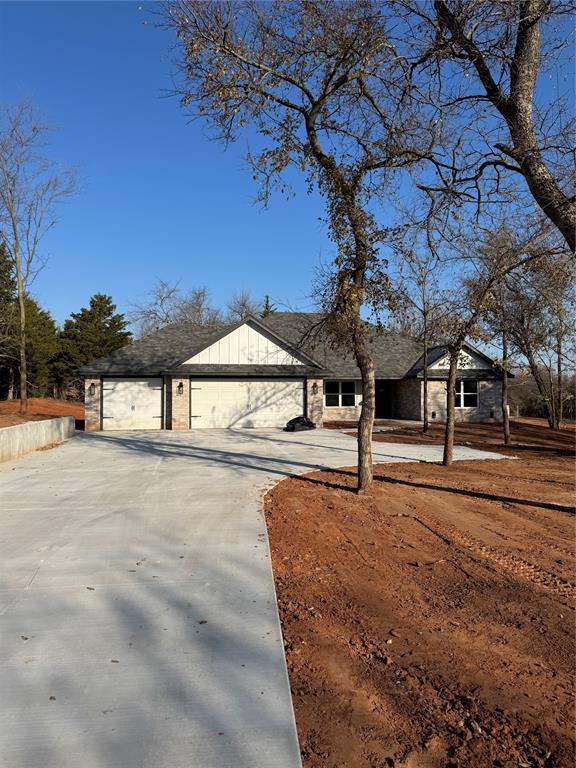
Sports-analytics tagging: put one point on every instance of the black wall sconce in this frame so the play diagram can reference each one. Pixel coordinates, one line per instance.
(180, 388)
(92, 389)
(314, 388)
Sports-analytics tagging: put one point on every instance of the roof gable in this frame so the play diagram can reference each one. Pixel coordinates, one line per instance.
(468, 359)
(249, 343)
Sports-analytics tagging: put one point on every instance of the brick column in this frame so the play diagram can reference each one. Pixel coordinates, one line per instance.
(315, 401)
(92, 405)
(167, 384)
(180, 403)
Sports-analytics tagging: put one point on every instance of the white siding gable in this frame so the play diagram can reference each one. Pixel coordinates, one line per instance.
(466, 360)
(243, 346)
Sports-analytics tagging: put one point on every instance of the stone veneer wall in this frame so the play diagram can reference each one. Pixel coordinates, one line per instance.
(350, 413)
(315, 401)
(344, 413)
(489, 407)
(180, 411)
(92, 420)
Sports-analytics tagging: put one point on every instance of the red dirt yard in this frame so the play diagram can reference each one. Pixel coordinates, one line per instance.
(39, 408)
(431, 625)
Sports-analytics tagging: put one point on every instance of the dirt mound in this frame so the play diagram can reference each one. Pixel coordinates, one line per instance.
(39, 408)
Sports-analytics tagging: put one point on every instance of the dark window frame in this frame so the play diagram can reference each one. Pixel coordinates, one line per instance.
(338, 394)
(467, 389)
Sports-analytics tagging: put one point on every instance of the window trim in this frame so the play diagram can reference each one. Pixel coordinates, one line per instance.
(339, 394)
(459, 391)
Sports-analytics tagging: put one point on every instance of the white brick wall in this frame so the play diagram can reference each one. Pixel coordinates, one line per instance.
(92, 405)
(180, 416)
(315, 401)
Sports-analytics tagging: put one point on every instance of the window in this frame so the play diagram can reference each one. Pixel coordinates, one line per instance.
(339, 393)
(466, 394)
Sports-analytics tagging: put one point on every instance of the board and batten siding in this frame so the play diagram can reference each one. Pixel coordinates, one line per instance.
(244, 346)
(466, 361)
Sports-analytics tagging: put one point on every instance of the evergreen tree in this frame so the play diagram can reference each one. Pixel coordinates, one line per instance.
(41, 333)
(7, 277)
(41, 349)
(268, 308)
(92, 332)
(8, 325)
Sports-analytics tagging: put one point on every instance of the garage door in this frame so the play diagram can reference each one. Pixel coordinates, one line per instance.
(241, 403)
(132, 404)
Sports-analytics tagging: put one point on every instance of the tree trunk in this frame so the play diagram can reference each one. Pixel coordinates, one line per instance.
(352, 289)
(528, 353)
(554, 204)
(505, 412)
(559, 373)
(366, 422)
(425, 421)
(10, 393)
(553, 420)
(450, 407)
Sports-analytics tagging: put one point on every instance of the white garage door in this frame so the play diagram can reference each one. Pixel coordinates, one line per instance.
(132, 403)
(240, 403)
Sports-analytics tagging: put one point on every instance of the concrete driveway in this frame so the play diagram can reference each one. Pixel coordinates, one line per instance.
(138, 620)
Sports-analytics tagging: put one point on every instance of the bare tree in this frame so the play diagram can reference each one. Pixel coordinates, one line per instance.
(325, 90)
(165, 303)
(496, 316)
(481, 62)
(30, 189)
(504, 331)
(420, 300)
(421, 287)
(477, 289)
(539, 307)
(242, 305)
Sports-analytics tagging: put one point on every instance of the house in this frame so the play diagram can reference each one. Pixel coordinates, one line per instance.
(262, 372)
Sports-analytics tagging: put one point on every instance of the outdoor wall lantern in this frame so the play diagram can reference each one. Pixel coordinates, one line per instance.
(180, 388)
(92, 389)
(314, 388)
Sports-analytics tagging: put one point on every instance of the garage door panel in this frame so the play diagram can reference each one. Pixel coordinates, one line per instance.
(247, 404)
(132, 404)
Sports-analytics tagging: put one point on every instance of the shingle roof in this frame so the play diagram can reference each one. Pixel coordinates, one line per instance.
(394, 354)
(157, 352)
(203, 369)
(165, 351)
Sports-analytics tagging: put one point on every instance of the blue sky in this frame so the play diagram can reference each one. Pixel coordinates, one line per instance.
(158, 198)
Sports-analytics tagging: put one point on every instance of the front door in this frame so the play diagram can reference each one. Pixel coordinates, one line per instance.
(384, 399)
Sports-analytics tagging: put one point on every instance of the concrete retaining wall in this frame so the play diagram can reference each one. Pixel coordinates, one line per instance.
(24, 438)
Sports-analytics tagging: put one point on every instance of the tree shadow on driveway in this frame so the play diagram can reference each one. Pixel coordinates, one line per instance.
(166, 671)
